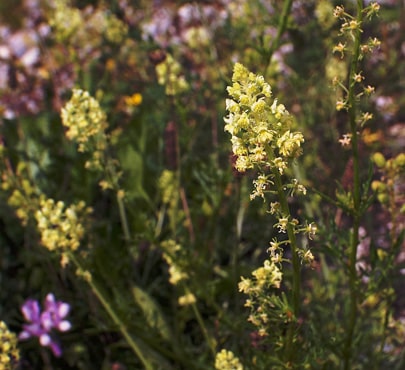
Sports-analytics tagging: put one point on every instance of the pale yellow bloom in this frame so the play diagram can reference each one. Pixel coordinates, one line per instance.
(226, 360)
(187, 299)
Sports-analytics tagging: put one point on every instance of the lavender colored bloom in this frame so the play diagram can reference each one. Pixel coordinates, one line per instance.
(41, 324)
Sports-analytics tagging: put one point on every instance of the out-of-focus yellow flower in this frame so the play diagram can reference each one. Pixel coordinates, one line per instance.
(9, 354)
(226, 360)
(133, 100)
(187, 299)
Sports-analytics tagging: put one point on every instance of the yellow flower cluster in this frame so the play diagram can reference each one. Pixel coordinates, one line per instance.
(260, 127)
(387, 188)
(9, 354)
(86, 123)
(61, 227)
(65, 20)
(169, 75)
(24, 196)
(116, 30)
(78, 28)
(226, 360)
(267, 276)
(171, 255)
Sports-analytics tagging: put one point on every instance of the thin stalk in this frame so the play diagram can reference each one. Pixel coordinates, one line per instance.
(112, 174)
(200, 321)
(296, 278)
(352, 110)
(116, 319)
(123, 217)
(280, 30)
(296, 268)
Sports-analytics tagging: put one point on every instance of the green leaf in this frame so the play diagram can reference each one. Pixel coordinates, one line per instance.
(132, 164)
(152, 312)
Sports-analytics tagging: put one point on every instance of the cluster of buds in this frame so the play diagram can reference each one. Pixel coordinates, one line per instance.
(177, 262)
(61, 227)
(171, 254)
(265, 278)
(169, 75)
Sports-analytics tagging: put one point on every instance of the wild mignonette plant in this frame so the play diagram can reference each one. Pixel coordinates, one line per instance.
(263, 139)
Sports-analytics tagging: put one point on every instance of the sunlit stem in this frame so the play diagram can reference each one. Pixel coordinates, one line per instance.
(112, 174)
(209, 340)
(116, 319)
(280, 31)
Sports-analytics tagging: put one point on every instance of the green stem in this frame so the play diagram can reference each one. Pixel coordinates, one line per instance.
(200, 321)
(353, 279)
(113, 176)
(296, 277)
(123, 217)
(280, 30)
(117, 321)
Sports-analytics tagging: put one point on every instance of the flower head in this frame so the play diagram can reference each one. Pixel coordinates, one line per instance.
(86, 123)
(226, 360)
(61, 227)
(259, 125)
(41, 325)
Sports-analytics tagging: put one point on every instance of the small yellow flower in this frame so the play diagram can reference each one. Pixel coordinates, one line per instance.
(282, 224)
(374, 42)
(369, 89)
(187, 299)
(311, 230)
(340, 48)
(358, 77)
(340, 105)
(134, 100)
(245, 285)
(354, 25)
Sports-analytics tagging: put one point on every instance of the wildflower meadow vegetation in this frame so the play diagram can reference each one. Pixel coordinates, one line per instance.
(202, 185)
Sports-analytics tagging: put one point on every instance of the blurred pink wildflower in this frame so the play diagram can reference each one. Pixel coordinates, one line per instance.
(41, 324)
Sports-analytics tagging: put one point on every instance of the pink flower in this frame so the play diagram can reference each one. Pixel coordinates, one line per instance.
(41, 324)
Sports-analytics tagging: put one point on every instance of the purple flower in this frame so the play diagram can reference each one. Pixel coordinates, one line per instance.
(41, 324)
